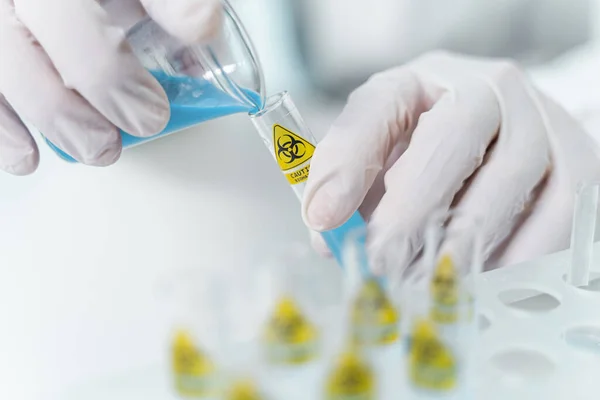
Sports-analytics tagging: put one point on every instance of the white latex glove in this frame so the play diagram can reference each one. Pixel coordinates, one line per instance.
(451, 131)
(66, 69)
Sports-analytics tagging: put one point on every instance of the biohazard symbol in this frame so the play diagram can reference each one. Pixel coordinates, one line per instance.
(374, 317)
(187, 359)
(351, 378)
(192, 368)
(243, 390)
(290, 149)
(432, 366)
(444, 292)
(288, 325)
(290, 337)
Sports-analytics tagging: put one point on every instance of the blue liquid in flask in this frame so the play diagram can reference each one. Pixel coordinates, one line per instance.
(192, 101)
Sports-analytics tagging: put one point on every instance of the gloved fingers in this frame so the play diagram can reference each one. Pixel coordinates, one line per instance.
(378, 120)
(191, 21)
(377, 189)
(520, 160)
(545, 227)
(124, 13)
(18, 152)
(373, 196)
(31, 85)
(93, 58)
(318, 243)
(447, 147)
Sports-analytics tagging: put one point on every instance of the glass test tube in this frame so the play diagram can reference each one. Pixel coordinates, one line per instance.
(194, 342)
(350, 373)
(292, 144)
(374, 316)
(583, 233)
(298, 320)
(237, 325)
(441, 303)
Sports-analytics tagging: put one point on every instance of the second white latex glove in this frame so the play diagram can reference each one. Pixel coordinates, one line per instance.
(451, 131)
(66, 68)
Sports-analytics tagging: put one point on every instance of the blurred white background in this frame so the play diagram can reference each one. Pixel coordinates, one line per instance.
(82, 249)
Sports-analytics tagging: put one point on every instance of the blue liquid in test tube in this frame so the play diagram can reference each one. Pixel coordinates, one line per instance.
(337, 238)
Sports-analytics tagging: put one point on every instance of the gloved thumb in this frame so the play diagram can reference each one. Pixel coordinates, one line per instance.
(372, 131)
(338, 187)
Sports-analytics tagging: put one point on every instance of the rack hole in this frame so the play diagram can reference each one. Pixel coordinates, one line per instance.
(528, 299)
(483, 322)
(523, 365)
(586, 338)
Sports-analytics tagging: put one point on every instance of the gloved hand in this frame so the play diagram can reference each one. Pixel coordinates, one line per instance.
(66, 69)
(451, 131)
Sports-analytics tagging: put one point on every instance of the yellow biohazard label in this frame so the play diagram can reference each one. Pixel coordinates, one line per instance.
(374, 318)
(298, 176)
(350, 379)
(192, 369)
(444, 292)
(290, 338)
(432, 366)
(290, 149)
(244, 389)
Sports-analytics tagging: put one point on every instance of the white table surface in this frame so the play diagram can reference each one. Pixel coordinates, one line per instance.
(82, 249)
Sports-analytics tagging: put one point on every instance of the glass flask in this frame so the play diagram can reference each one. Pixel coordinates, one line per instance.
(203, 81)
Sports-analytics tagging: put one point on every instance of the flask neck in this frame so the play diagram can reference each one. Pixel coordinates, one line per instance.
(228, 60)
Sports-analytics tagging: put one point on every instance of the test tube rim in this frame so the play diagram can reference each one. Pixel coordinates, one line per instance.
(583, 184)
(475, 223)
(272, 103)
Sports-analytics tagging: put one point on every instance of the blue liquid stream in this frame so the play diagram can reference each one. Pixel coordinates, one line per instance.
(194, 101)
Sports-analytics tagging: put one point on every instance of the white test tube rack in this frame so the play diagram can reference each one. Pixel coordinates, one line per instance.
(540, 321)
(539, 325)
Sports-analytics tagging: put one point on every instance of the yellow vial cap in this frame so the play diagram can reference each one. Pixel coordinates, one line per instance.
(187, 358)
(432, 366)
(290, 338)
(374, 318)
(444, 292)
(243, 390)
(192, 368)
(351, 379)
